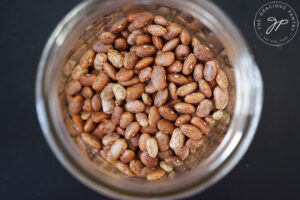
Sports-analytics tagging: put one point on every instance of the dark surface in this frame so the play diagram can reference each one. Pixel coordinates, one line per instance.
(29, 170)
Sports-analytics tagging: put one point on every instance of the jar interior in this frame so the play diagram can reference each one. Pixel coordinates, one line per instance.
(81, 39)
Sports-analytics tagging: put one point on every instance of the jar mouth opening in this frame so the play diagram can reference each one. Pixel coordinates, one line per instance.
(227, 154)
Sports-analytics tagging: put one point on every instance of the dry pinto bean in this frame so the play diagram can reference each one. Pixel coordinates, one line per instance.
(152, 147)
(182, 51)
(156, 30)
(209, 119)
(210, 70)
(115, 58)
(173, 161)
(127, 156)
(167, 113)
(144, 62)
(153, 116)
(182, 119)
(193, 145)
(116, 150)
(119, 25)
(217, 115)
(178, 79)
(222, 79)
(121, 44)
(134, 141)
(185, 37)
(150, 89)
(108, 106)
(96, 102)
(99, 116)
(124, 74)
(87, 59)
(87, 92)
(220, 98)
(183, 152)
(142, 141)
(186, 89)
(100, 81)
(212, 84)
(78, 72)
(110, 139)
(173, 30)
(165, 126)
(145, 74)
(173, 90)
(176, 67)
(110, 70)
(99, 47)
(145, 50)
(191, 131)
(177, 139)
(78, 123)
(158, 78)
(85, 115)
(202, 125)
(107, 37)
(205, 88)
(136, 167)
(75, 105)
(87, 79)
(87, 105)
(124, 168)
(142, 39)
(135, 106)
(147, 99)
(165, 154)
(185, 108)
(73, 87)
(119, 91)
(155, 174)
(172, 103)
(194, 98)
(126, 119)
(189, 64)
(170, 45)
(203, 53)
(136, 91)
(132, 37)
(165, 166)
(89, 126)
(130, 60)
(116, 115)
(142, 19)
(161, 97)
(198, 72)
(157, 42)
(165, 59)
(160, 20)
(107, 92)
(134, 80)
(91, 140)
(204, 108)
(120, 131)
(142, 119)
(148, 160)
(163, 141)
(107, 127)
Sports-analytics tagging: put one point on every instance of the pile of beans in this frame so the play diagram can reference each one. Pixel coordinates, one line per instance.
(145, 95)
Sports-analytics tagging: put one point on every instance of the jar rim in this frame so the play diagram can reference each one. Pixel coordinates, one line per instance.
(227, 154)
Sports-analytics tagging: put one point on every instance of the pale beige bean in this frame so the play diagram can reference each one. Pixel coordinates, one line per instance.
(108, 106)
(155, 174)
(107, 92)
(220, 98)
(221, 79)
(217, 115)
(119, 91)
(87, 59)
(177, 139)
(152, 147)
(165, 166)
(116, 150)
(99, 61)
(142, 119)
(115, 58)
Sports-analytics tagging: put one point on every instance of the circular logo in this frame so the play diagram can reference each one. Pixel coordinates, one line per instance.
(276, 23)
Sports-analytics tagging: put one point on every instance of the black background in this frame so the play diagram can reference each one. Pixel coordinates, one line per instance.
(29, 170)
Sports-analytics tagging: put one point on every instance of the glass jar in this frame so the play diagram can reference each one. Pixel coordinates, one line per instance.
(74, 34)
